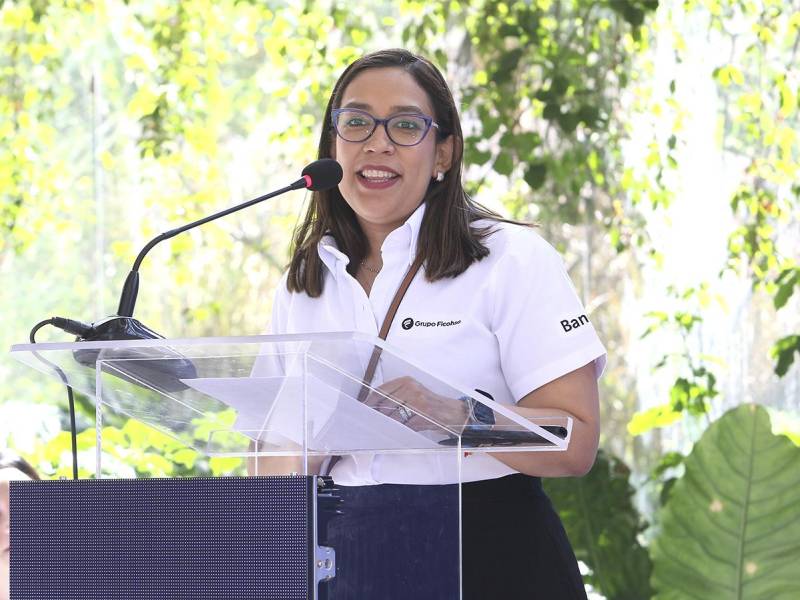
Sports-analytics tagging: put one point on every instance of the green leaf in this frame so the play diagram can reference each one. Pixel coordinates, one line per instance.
(186, 457)
(490, 125)
(226, 466)
(666, 490)
(551, 111)
(568, 121)
(783, 351)
(668, 461)
(559, 85)
(509, 30)
(658, 416)
(588, 115)
(535, 175)
(633, 14)
(527, 142)
(787, 281)
(603, 525)
(545, 96)
(507, 65)
(529, 20)
(504, 164)
(473, 156)
(731, 525)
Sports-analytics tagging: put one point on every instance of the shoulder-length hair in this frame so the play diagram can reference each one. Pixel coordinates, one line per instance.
(447, 239)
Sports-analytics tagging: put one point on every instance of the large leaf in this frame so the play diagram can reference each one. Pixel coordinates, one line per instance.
(602, 526)
(731, 526)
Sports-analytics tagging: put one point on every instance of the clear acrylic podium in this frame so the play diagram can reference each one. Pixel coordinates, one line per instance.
(343, 405)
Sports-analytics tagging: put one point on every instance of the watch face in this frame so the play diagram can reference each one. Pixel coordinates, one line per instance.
(483, 414)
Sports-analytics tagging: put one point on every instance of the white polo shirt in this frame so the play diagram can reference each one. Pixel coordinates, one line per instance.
(507, 325)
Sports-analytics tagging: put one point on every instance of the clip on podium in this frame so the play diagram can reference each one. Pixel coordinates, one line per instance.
(298, 401)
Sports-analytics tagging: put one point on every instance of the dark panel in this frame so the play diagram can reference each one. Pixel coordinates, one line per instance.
(171, 539)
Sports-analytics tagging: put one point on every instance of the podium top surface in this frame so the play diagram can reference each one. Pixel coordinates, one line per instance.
(327, 393)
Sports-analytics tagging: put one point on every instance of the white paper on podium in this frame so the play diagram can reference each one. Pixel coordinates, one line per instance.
(337, 422)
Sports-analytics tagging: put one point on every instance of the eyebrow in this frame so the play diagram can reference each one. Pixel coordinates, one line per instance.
(394, 109)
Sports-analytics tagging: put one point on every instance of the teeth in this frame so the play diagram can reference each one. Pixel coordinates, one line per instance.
(378, 175)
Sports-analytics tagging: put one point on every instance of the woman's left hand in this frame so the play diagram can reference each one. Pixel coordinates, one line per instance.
(408, 401)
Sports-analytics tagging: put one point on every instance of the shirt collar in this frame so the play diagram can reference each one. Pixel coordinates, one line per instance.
(406, 235)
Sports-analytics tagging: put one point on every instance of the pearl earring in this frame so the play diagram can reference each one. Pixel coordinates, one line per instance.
(439, 176)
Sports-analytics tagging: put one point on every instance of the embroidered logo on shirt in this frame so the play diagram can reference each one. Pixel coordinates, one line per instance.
(408, 323)
(570, 324)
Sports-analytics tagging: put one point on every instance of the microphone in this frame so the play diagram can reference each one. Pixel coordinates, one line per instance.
(134, 364)
(320, 175)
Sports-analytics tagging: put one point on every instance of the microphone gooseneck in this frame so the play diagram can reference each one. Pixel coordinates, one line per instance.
(320, 175)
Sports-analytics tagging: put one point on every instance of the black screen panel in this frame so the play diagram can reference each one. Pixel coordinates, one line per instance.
(130, 539)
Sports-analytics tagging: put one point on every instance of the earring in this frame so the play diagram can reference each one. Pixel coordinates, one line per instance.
(439, 176)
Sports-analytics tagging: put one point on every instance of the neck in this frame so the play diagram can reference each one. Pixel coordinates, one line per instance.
(375, 235)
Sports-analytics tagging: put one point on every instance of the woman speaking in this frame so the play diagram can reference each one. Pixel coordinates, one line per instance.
(400, 220)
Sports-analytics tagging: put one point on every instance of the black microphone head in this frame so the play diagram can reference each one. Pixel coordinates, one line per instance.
(322, 174)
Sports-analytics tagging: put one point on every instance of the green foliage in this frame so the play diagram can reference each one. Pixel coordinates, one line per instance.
(652, 418)
(546, 80)
(603, 527)
(664, 474)
(30, 100)
(783, 352)
(131, 450)
(540, 85)
(786, 281)
(149, 113)
(760, 128)
(784, 349)
(170, 110)
(695, 386)
(731, 525)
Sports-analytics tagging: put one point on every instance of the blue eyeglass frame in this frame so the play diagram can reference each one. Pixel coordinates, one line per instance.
(429, 122)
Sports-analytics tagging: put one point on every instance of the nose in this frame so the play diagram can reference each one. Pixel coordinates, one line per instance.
(379, 141)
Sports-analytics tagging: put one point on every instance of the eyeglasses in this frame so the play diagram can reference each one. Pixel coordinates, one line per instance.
(404, 129)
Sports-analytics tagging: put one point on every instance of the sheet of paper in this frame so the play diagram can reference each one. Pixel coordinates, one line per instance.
(338, 422)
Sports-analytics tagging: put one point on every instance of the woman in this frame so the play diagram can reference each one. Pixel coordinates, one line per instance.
(495, 298)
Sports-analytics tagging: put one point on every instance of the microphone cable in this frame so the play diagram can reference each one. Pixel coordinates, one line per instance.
(62, 323)
(319, 175)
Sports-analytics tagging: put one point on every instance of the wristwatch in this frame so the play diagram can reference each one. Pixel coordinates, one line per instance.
(479, 414)
(405, 414)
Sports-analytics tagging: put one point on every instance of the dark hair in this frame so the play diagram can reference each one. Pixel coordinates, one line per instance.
(447, 239)
(12, 461)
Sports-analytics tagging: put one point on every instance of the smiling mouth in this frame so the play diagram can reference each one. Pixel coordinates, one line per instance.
(377, 176)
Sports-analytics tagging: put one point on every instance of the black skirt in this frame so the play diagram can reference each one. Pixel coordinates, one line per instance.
(389, 537)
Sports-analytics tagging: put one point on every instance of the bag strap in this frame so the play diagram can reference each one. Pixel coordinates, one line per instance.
(398, 296)
(387, 324)
(372, 365)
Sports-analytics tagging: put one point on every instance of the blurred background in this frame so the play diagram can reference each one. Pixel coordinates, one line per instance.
(656, 144)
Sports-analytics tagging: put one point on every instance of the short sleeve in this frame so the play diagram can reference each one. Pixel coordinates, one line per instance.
(540, 324)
